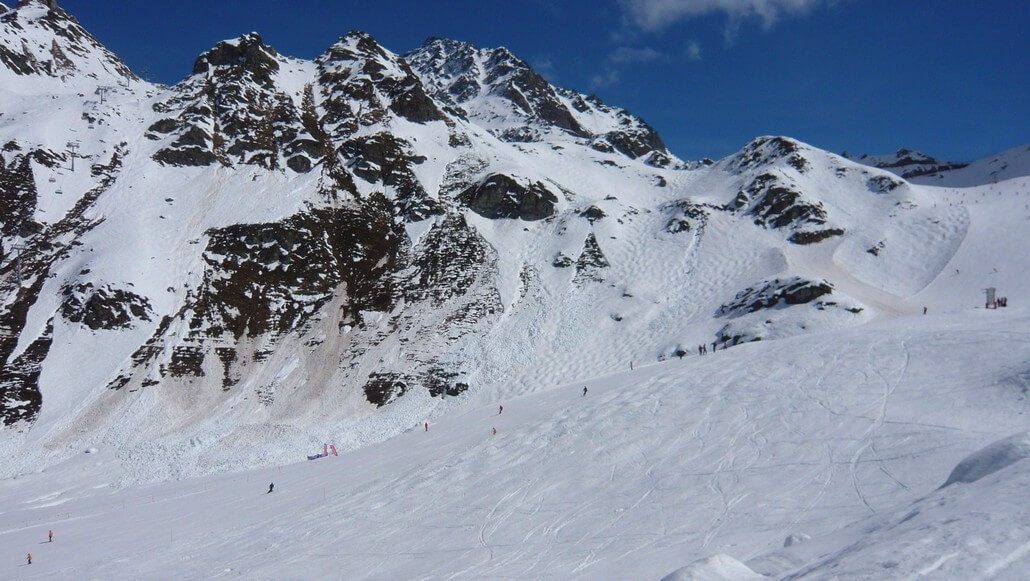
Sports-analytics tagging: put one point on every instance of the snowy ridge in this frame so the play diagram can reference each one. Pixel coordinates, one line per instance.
(45, 51)
(501, 93)
(920, 168)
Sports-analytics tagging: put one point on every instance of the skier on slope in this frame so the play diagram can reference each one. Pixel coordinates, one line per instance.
(584, 391)
(30, 558)
(51, 535)
(500, 409)
(271, 486)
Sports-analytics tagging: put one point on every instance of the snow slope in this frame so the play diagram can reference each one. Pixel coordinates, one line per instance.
(401, 240)
(635, 263)
(841, 438)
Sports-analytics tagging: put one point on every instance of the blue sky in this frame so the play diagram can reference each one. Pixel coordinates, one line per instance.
(948, 77)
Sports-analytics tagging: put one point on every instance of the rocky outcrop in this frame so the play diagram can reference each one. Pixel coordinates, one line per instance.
(42, 245)
(907, 163)
(230, 110)
(882, 184)
(270, 278)
(774, 293)
(814, 236)
(775, 203)
(591, 263)
(685, 216)
(448, 262)
(501, 196)
(483, 82)
(105, 307)
(386, 160)
(457, 72)
(765, 151)
(357, 70)
(17, 196)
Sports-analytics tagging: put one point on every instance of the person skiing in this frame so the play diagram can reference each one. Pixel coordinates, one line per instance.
(271, 486)
(51, 535)
(427, 426)
(584, 391)
(30, 558)
(500, 409)
(493, 431)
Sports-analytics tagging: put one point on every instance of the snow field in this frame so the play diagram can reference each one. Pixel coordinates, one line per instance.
(655, 468)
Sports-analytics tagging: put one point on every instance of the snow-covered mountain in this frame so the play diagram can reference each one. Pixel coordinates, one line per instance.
(273, 253)
(920, 168)
(276, 250)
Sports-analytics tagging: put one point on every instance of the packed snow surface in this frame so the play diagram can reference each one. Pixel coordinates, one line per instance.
(842, 437)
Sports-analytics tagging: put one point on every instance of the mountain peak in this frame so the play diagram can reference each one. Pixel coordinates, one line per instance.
(248, 52)
(39, 39)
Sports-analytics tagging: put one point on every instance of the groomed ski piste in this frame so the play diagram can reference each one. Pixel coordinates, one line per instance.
(839, 442)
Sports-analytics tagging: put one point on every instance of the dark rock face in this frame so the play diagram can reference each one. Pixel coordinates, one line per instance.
(385, 159)
(272, 277)
(103, 308)
(638, 141)
(19, 383)
(882, 184)
(358, 69)
(773, 294)
(593, 214)
(248, 53)
(591, 262)
(811, 237)
(17, 195)
(500, 196)
(562, 261)
(767, 150)
(187, 361)
(231, 111)
(43, 245)
(449, 262)
(459, 76)
(777, 205)
(457, 72)
(909, 164)
(383, 388)
(686, 216)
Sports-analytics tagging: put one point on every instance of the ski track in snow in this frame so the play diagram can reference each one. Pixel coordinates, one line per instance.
(840, 434)
(727, 453)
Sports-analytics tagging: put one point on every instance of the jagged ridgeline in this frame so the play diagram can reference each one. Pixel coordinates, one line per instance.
(279, 247)
(368, 139)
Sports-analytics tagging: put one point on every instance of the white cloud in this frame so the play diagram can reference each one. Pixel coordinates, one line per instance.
(656, 15)
(607, 79)
(545, 67)
(694, 51)
(626, 55)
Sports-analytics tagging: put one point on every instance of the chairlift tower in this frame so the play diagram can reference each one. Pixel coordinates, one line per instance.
(17, 260)
(73, 146)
